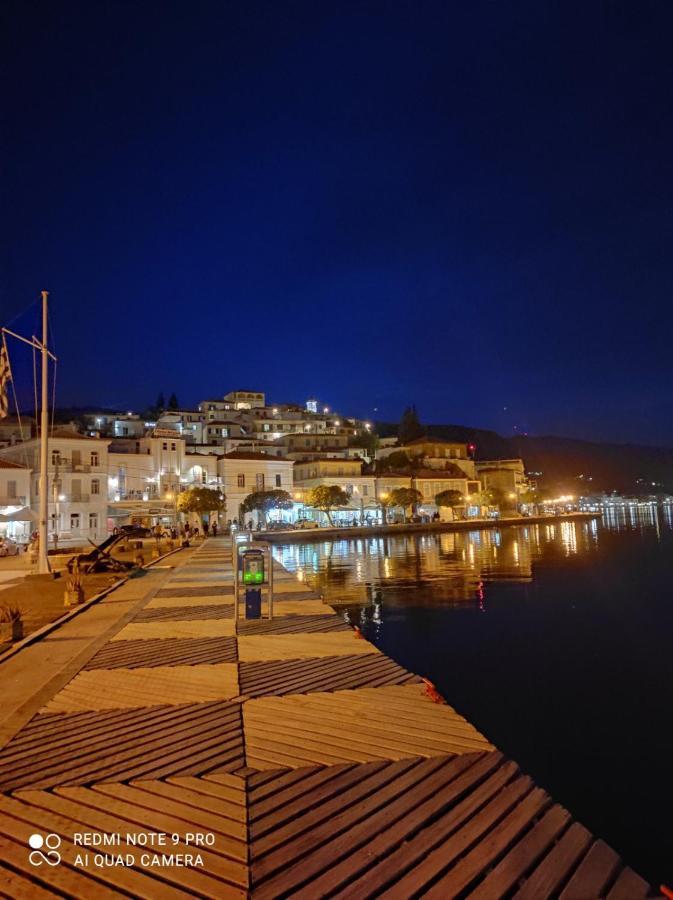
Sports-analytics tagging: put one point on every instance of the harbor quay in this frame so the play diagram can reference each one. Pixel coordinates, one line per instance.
(171, 748)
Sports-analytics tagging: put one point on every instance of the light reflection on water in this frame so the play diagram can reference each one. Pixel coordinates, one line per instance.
(439, 568)
(453, 567)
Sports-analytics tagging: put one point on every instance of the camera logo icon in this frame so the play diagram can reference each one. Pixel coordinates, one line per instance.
(50, 856)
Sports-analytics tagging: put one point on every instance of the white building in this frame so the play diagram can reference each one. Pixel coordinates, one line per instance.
(78, 485)
(243, 473)
(17, 520)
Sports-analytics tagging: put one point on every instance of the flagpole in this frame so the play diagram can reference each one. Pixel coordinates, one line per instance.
(43, 559)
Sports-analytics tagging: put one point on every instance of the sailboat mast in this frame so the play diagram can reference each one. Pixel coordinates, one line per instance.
(43, 562)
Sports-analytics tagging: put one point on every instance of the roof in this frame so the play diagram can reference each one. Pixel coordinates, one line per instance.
(66, 434)
(340, 459)
(221, 422)
(435, 440)
(241, 454)
(441, 475)
(8, 464)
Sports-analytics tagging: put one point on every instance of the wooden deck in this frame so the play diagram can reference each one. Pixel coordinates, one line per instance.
(320, 767)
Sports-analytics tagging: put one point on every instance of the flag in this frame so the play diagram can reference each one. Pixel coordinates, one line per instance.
(5, 378)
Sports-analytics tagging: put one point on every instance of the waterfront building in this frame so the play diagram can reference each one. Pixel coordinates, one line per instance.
(78, 484)
(430, 482)
(115, 424)
(344, 473)
(242, 473)
(145, 477)
(17, 520)
(505, 476)
(436, 453)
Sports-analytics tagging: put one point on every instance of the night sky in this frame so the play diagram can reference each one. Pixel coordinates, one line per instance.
(468, 206)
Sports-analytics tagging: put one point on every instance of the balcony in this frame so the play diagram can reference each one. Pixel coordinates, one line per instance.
(76, 498)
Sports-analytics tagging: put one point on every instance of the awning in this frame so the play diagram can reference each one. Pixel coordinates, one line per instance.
(117, 512)
(21, 515)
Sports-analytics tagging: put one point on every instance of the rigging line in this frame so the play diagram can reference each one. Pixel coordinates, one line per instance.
(22, 313)
(16, 402)
(53, 397)
(37, 418)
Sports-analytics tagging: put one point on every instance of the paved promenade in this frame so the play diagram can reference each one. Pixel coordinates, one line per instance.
(283, 758)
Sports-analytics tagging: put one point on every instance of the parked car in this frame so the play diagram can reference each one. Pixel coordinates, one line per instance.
(280, 526)
(137, 531)
(306, 523)
(8, 547)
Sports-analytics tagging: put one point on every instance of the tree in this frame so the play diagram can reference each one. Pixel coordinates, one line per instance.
(404, 497)
(450, 499)
(160, 405)
(410, 427)
(398, 459)
(368, 440)
(173, 401)
(201, 500)
(264, 501)
(327, 497)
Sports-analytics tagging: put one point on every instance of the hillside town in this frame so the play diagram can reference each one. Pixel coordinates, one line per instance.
(109, 470)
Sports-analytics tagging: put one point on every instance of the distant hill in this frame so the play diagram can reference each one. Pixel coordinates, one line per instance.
(629, 468)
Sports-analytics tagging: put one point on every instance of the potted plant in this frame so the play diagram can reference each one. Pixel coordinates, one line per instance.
(74, 590)
(11, 623)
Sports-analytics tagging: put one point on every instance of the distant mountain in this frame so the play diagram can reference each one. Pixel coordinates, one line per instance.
(571, 465)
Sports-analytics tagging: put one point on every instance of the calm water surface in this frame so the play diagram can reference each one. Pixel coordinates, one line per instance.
(555, 640)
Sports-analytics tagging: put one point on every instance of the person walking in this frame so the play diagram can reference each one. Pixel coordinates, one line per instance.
(205, 529)
(214, 529)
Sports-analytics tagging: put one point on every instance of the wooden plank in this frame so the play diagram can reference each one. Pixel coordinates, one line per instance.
(594, 873)
(188, 740)
(254, 648)
(522, 856)
(117, 688)
(490, 847)
(74, 882)
(331, 673)
(330, 854)
(274, 854)
(555, 869)
(471, 792)
(18, 887)
(165, 652)
(73, 809)
(153, 630)
(629, 886)
(186, 613)
(459, 839)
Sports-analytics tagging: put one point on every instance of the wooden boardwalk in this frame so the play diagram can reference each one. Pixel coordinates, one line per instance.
(317, 766)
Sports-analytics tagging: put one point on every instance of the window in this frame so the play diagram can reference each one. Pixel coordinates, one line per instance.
(277, 480)
(11, 489)
(164, 446)
(259, 481)
(240, 480)
(95, 461)
(95, 486)
(93, 521)
(365, 490)
(55, 457)
(173, 446)
(74, 521)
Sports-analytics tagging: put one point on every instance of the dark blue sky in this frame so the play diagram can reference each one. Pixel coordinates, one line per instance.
(468, 206)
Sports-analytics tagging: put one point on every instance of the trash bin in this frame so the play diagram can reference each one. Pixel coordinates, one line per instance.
(253, 603)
